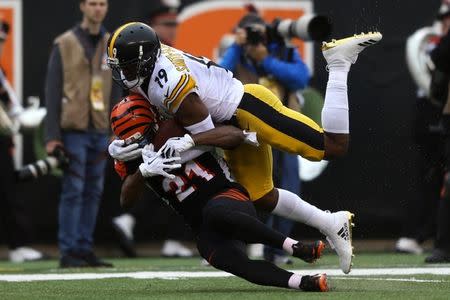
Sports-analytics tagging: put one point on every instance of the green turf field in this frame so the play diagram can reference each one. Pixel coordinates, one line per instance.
(385, 284)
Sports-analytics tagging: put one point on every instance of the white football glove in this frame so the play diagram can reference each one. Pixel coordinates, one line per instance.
(174, 146)
(118, 151)
(148, 152)
(154, 164)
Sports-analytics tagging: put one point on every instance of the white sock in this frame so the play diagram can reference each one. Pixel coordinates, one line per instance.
(335, 108)
(291, 206)
(287, 245)
(294, 281)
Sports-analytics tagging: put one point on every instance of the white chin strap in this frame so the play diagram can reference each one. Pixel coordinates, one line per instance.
(131, 83)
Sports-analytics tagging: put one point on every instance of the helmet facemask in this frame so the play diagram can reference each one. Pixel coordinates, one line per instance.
(130, 74)
(143, 139)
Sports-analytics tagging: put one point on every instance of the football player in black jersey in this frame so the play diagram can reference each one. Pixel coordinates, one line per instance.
(216, 208)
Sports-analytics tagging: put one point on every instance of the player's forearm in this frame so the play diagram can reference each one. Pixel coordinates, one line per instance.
(226, 137)
(132, 189)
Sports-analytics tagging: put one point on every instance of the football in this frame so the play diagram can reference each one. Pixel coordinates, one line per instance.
(167, 129)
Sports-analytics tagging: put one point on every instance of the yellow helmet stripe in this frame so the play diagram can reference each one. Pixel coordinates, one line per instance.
(114, 37)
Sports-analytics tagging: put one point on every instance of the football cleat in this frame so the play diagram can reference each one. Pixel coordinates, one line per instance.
(24, 254)
(339, 236)
(309, 252)
(345, 51)
(174, 248)
(438, 256)
(408, 245)
(314, 283)
(123, 227)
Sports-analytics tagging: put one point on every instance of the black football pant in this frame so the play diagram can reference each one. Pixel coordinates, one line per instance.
(14, 222)
(443, 218)
(228, 225)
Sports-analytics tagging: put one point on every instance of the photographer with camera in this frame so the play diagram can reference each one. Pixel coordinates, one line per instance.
(260, 55)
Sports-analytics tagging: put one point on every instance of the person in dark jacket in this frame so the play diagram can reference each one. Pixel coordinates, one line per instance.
(440, 93)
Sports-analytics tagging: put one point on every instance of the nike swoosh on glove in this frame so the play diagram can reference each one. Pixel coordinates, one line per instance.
(174, 146)
(154, 164)
(119, 151)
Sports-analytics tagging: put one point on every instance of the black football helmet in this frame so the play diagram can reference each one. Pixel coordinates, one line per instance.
(132, 51)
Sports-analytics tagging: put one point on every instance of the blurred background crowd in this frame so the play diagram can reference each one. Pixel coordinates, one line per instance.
(395, 177)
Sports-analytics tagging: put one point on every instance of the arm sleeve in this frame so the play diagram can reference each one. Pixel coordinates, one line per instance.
(231, 57)
(53, 95)
(205, 125)
(294, 75)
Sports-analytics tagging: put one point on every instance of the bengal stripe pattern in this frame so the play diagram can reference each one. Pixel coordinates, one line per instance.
(233, 194)
(131, 115)
(184, 86)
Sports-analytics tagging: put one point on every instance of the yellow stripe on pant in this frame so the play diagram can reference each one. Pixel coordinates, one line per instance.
(261, 111)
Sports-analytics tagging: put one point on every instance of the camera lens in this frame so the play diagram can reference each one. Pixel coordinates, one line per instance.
(307, 27)
(319, 28)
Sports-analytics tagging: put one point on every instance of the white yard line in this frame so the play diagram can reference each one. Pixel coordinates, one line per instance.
(193, 274)
(391, 279)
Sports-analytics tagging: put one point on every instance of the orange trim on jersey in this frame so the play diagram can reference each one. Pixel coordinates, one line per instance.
(239, 195)
(234, 194)
(188, 87)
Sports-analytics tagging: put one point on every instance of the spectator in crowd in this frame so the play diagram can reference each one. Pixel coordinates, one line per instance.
(419, 218)
(79, 93)
(255, 58)
(440, 93)
(163, 19)
(13, 220)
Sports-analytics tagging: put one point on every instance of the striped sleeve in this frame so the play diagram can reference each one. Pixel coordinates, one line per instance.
(184, 87)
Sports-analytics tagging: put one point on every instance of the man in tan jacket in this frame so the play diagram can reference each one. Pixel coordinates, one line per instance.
(78, 96)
